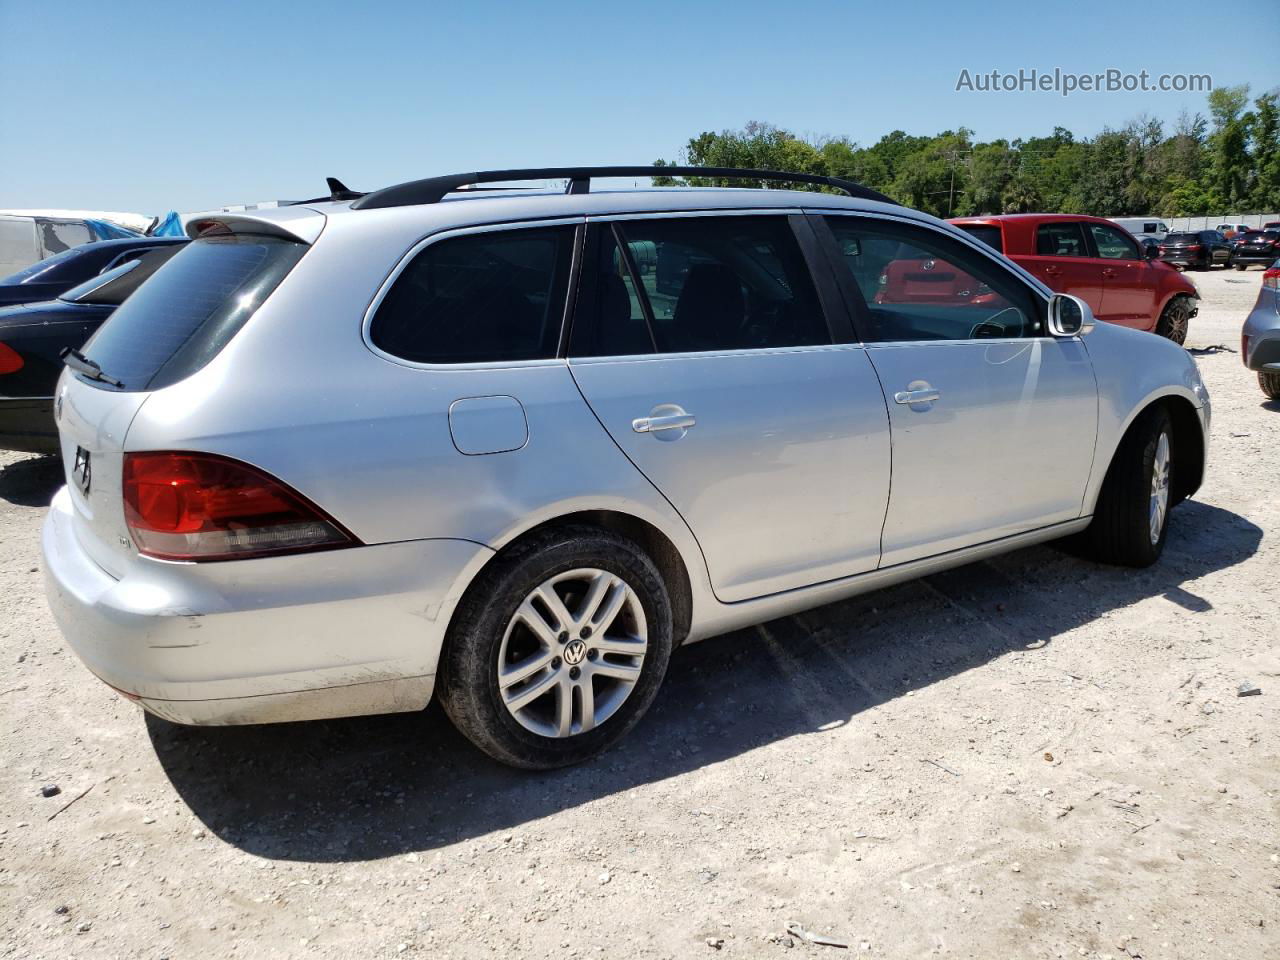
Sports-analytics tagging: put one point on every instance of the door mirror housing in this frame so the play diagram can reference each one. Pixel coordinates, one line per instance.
(1069, 316)
(1150, 251)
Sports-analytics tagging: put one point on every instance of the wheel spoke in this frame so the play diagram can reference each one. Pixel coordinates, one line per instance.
(526, 668)
(586, 704)
(532, 692)
(627, 646)
(547, 594)
(610, 608)
(532, 617)
(616, 671)
(564, 709)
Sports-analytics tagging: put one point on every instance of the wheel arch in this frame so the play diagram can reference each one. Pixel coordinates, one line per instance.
(1187, 436)
(659, 547)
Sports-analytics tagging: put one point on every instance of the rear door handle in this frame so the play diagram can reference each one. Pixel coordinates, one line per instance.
(927, 395)
(673, 421)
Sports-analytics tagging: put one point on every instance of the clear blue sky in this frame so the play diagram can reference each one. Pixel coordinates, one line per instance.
(148, 106)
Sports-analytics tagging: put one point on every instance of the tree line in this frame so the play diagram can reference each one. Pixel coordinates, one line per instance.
(1227, 162)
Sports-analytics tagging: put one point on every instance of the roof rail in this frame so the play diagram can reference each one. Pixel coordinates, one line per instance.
(434, 189)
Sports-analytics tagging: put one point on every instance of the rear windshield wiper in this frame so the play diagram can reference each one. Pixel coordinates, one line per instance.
(78, 362)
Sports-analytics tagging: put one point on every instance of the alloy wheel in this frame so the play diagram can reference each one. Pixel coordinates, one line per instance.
(572, 653)
(1159, 506)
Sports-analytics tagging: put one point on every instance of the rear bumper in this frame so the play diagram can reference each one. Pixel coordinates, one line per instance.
(1262, 259)
(338, 633)
(26, 424)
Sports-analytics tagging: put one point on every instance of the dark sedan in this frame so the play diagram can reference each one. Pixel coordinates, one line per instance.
(1200, 250)
(33, 335)
(55, 275)
(1257, 246)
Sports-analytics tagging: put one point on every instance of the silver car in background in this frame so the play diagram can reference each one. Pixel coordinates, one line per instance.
(514, 447)
(1260, 339)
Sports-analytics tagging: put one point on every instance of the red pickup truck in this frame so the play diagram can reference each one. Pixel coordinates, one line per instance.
(1098, 262)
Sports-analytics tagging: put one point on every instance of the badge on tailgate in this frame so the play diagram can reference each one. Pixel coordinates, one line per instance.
(82, 473)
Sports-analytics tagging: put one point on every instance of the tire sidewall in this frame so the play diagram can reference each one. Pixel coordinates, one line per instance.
(472, 655)
(1158, 425)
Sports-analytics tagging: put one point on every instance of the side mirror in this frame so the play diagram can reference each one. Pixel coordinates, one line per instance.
(1151, 251)
(1069, 316)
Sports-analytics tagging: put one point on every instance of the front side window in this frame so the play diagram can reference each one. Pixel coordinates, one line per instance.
(1060, 239)
(919, 284)
(703, 283)
(1113, 244)
(479, 298)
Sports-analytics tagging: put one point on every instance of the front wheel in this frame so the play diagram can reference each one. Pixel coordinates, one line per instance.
(1241, 267)
(558, 649)
(1131, 520)
(1270, 384)
(1174, 320)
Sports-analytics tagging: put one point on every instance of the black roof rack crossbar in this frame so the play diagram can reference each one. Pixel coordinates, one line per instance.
(434, 189)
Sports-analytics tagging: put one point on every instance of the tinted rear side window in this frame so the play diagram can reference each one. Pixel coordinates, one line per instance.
(702, 283)
(190, 309)
(1060, 239)
(479, 298)
(987, 234)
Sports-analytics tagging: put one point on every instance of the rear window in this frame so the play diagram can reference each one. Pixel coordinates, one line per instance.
(1182, 238)
(190, 309)
(485, 297)
(990, 235)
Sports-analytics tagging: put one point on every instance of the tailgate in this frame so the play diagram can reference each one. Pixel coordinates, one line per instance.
(92, 423)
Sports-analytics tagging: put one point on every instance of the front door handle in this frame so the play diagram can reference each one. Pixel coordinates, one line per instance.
(672, 421)
(1109, 273)
(926, 395)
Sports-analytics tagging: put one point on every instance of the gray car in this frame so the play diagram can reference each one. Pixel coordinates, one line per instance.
(1260, 339)
(512, 448)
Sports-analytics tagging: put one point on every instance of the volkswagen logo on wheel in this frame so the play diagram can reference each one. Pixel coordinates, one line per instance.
(575, 653)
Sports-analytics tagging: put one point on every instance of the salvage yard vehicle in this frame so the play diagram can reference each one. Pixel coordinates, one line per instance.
(33, 337)
(55, 275)
(1256, 246)
(336, 457)
(1095, 260)
(1201, 250)
(1260, 339)
(1152, 228)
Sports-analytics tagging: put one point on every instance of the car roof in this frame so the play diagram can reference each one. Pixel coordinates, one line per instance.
(1029, 217)
(467, 208)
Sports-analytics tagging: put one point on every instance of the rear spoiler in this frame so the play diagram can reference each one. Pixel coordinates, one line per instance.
(291, 223)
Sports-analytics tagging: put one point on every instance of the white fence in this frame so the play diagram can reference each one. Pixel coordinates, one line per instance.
(1191, 224)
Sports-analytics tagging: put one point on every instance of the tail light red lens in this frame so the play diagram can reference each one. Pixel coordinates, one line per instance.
(1195, 246)
(199, 506)
(1271, 278)
(10, 359)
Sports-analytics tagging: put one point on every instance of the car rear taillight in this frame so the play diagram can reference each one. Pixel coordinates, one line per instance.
(1271, 278)
(199, 506)
(10, 359)
(1194, 246)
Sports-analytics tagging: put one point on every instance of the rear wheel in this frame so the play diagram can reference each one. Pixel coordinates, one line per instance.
(1270, 384)
(558, 649)
(1242, 267)
(1175, 319)
(1131, 520)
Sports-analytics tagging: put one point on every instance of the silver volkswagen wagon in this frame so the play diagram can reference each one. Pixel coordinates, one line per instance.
(513, 447)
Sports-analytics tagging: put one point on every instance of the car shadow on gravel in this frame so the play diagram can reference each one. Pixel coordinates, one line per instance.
(31, 482)
(365, 788)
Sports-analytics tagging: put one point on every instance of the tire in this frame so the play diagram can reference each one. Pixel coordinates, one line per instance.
(1174, 320)
(495, 626)
(1270, 384)
(1121, 531)
(1242, 267)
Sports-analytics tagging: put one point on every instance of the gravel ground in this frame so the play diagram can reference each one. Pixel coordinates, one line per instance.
(1029, 757)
